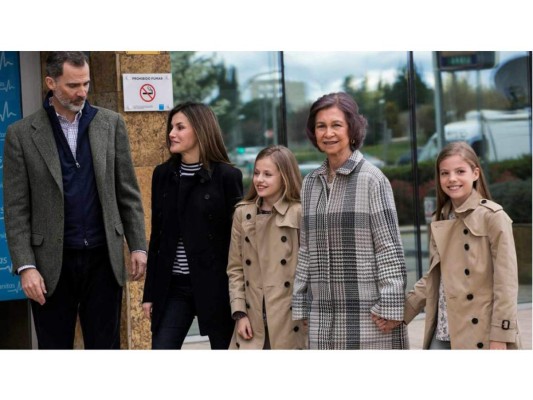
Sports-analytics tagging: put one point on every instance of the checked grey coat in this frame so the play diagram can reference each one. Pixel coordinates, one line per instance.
(350, 262)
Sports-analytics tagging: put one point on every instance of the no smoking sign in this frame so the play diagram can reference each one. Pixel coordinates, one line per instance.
(147, 92)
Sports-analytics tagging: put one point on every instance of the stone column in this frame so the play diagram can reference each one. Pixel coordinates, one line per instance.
(147, 132)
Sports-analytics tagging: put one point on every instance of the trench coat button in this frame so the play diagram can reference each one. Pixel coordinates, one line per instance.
(290, 308)
(206, 196)
(467, 247)
(287, 284)
(483, 201)
(465, 231)
(480, 345)
(248, 262)
(296, 329)
(246, 239)
(467, 271)
(247, 283)
(248, 216)
(283, 262)
(247, 305)
(284, 239)
(475, 321)
(238, 344)
(470, 296)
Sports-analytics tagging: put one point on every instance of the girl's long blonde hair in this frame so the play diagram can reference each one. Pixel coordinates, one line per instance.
(287, 165)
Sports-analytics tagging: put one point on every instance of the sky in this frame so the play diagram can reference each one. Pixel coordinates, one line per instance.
(324, 71)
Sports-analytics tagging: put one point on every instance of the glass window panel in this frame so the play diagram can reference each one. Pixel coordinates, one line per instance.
(494, 104)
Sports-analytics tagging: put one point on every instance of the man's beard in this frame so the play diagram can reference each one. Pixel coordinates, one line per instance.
(69, 104)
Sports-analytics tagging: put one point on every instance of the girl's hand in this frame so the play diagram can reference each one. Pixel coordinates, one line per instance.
(244, 328)
(497, 345)
(147, 310)
(385, 325)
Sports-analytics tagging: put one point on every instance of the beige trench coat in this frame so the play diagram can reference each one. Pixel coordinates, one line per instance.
(475, 256)
(261, 265)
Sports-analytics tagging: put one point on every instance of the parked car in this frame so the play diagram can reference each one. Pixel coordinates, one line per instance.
(374, 160)
(493, 134)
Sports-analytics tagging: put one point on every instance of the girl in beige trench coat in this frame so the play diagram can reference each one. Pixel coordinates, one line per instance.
(470, 290)
(263, 256)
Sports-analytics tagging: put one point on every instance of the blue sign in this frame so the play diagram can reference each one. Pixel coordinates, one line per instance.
(10, 111)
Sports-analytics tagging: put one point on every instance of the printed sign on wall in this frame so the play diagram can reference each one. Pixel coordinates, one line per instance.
(10, 111)
(147, 92)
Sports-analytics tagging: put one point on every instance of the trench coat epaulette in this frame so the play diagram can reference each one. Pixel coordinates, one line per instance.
(490, 205)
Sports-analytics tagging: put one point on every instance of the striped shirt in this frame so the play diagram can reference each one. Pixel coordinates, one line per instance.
(181, 265)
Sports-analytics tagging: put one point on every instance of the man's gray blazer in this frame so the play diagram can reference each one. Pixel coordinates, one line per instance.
(33, 193)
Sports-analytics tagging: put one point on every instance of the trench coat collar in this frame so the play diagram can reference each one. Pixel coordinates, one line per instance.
(470, 204)
(345, 169)
(281, 206)
(283, 214)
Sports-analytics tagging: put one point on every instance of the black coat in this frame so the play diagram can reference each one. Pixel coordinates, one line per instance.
(201, 208)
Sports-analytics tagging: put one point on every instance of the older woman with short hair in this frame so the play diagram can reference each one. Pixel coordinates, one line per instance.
(350, 264)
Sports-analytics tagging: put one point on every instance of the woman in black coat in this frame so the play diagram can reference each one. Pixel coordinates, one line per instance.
(193, 196)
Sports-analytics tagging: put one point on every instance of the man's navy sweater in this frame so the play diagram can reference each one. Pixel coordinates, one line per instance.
(84, 223)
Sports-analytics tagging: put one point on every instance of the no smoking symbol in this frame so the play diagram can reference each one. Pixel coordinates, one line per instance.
(147, 92)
